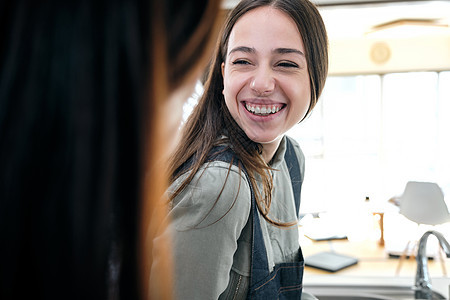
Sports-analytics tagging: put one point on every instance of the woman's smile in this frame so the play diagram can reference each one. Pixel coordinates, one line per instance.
(263, 109)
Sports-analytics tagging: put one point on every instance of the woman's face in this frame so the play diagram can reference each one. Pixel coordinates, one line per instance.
(266, 80)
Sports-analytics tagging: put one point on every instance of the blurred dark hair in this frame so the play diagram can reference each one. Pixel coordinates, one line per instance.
(78, 92)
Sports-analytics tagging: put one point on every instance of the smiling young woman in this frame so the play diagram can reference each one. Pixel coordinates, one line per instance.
(235, 177)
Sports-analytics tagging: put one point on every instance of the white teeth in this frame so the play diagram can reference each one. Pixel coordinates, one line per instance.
(262, 110)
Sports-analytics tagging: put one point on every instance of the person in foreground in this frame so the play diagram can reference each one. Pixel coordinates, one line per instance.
(236, 177)
(88, 92)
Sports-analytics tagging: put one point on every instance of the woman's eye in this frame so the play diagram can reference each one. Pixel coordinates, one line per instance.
(240, 62)
(287, 64)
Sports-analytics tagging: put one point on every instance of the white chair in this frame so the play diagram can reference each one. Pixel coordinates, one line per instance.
(423, 203)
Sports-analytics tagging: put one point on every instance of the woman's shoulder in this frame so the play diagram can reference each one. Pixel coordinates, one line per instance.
(217, 191)
(297, 148)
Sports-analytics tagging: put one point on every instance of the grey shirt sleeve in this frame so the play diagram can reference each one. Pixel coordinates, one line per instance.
(205, 225)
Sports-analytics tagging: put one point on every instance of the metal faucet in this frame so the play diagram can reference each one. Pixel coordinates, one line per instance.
(423, 282)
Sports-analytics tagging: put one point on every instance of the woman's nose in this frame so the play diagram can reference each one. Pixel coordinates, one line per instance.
(263, 82)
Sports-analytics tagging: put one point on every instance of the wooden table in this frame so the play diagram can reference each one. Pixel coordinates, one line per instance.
(373, 259)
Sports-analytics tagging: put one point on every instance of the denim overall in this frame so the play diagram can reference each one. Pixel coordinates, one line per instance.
(285, 281)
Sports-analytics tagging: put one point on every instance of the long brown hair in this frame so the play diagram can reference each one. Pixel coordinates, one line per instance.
(211, 119)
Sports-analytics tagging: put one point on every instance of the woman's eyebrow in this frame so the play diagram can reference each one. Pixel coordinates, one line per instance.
(288, 50)
(242, 49)
(246, 49)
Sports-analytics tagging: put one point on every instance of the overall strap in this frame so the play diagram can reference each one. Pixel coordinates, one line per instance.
(285, 280)
(294, 172)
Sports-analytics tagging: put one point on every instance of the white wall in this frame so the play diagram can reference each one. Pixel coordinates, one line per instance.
(379, 56)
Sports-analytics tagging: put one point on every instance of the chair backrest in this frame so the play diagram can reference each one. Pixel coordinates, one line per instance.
(423, 203)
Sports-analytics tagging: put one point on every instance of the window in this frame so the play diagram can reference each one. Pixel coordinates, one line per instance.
(371, 134)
